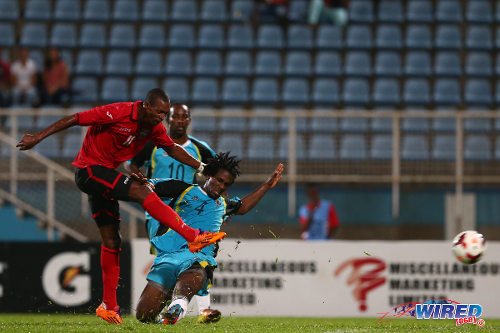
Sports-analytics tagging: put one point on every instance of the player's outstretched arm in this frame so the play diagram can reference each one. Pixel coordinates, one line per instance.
(30, 140)
(180, 154)
(250, 200)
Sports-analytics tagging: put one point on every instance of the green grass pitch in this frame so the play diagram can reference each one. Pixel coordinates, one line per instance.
(89, 323)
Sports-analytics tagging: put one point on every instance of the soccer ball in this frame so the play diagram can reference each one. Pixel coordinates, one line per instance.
(469, 247)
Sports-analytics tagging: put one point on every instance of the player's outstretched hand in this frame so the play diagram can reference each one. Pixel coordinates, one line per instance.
(275, 177)
(27, 142)
(139, 177)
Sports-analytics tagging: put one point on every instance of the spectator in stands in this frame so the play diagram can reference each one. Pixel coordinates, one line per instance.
(55, 79)
(334, 10)
(24, 77)
(272, 11)
(5, 81)
(318, 218)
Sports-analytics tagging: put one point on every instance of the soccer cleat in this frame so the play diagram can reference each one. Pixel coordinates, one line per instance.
(205, 239)
(172, 315)
(209, 316)
(111, 316)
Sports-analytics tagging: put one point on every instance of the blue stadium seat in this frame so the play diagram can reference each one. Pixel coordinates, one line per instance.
(359, 37)
(382, 124)
(72, 144)
(232, 124)
(114, 90)
(327, 64)
(89, 63)
(205, 91)
(238, 63)
(184, 11)
(49, 147)
(230, 142)
(7, 35)
(208, 63)
(322, 147)
(152, 36)
(118, 63)
(478, 64)
(479, 38)
(125, 11)
(302, 124)
(256, 142)
(447, 64)
(361, 11)
(481, 125)
(268, 63)
(449, 11)
(214, 11)
(299, 37)
(178, 63)
(323, 125)
(67, 10)
(325, 92)
(497, 148)
(264, 91)
(447, 92)
(263, 124)
(418, 36)
(67, 57)
(497, 92)
(418, 63)
(241, 10)
(381, 147)
(414, 147)
(203, 125)
(298, 63)
(353, 147)
(34, 35)
(37, 10)
(298, 11)
(444, 124)
(154, 11)
(477, 148)
(270, 37)
(354, 124)
(448, 37)
(92, 36)
(479, 11)
(295, 92)
(300, 151)
(84, 90)
(388, 64)
(329, 37)
(177, 89)
(141, 86)
(148, 63)
(240, 37)
(9, 10)
(356, 92)
(206, 137)
(38, 58)
(122, 36)
(388, 37)
(386, 92)
(415, 124)
(419, 11)
(497, 40)
(390, 11)
(444, 148)
(181, 37)
(211, 37)
(63, 36)
(358, 64)
(96, 11)
(235, 91)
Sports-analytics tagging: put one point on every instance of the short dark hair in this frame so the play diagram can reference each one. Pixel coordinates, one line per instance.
(222, 161)
(180, 105)
(157, 93)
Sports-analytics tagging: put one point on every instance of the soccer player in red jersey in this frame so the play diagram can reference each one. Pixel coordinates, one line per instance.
(117, 133)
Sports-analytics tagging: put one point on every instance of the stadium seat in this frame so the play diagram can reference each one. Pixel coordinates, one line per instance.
(322, 147)
(238, 63)
(497, 148)
(208, 63)
(148, 63)
(84, 90)
(477, 148)
(447, 92)
(184, 11)
(92, 36)
(241, 10)
(386, 92)
(114, 90)
(479, 11)
(359, 37)
(270, 37)
(444, 148)
(205, 91)
(416, 92)
(141, 86)
(481, 125)
(388, 64)
(361, 11)
(9, 10)
(447, 64)
(448, 37)
(356, 92)
(125, 11)
(414, 147)
(203, 125)
(206, 137)
(63, 36)
(34, 35)
(299, 37)
(415, 124)
(479, 38)
(154, 11)
(96, 11)
(7, 35)
(233, 124)
(240, 37)
(214, 11)
(390, 11)
(478, 64)
(301, 124)
(325, 92)
(419, 11)
(418, 63)
(264, 91)
(122, 36)
(449, 11)
(230, 142)
(418, 36)
(354, 124)
(353, 147)
(152, 36)
(211, 37)
(295, 92)
(67, 57)
(297, 63)
(181, 37)
(382, 124)
(50, 147)
(327, 64)
(38, 58)
(268, 63)
(37, 10)
(444, 124)
(388, 37)
(71, 145)
(118, 63)
(298, 10)
(178, 63)
(381, 147)
(263, 124)
(235, 91)
(329, 37)
(255, 144)
(67, 10)
(89, 63)
(300, 153)
(177, 89)
(45, 121)
(358, 64)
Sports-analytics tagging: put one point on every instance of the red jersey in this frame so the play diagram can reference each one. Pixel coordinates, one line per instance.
(115, 135)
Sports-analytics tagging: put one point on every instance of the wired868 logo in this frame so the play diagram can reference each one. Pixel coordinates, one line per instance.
(462, 313)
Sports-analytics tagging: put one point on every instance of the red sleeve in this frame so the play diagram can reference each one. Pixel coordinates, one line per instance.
(105, 114)
(160, 137)
(333, 218)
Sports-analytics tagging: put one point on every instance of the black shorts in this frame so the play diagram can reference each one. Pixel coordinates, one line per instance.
(104, 187)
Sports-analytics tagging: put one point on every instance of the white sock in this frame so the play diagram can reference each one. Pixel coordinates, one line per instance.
(203, 302)
(182, 301)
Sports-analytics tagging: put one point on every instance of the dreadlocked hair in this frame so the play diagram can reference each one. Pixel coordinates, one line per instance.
(222, 161)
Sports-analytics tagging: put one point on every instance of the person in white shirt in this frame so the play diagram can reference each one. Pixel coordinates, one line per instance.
(24, 76)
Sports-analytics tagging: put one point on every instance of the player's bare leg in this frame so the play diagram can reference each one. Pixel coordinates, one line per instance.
(153, 299)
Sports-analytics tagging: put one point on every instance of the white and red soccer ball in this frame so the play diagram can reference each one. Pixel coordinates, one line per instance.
(469, 246)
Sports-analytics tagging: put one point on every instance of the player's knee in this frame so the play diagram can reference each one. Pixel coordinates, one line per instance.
(112, 243)
(138, 192)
